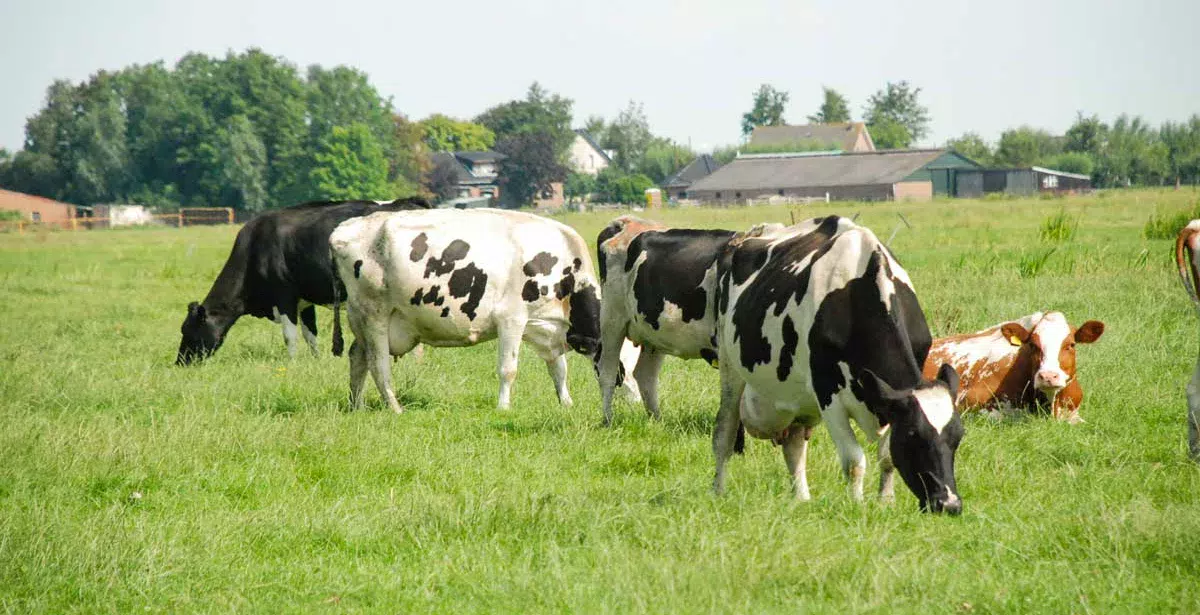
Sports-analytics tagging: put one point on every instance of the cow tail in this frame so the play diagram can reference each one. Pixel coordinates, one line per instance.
(339, 343)
(739, 445)
(1185, 261)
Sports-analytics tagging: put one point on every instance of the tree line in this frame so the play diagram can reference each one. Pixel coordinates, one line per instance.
(251, 131)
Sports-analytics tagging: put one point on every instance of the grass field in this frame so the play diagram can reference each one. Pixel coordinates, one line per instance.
(127, 484)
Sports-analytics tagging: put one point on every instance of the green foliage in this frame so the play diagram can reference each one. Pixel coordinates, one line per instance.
(1033, 262)
(1026, 146)
(629, 136)
(579, 185)
(8, 215)
(804, 145)
(446, 134)
(834, 108)
(1071, 162)
(541, 112)
(350, 165)
(1133, 155)
(1087, 135)
(596, 127)
(1182, 141)
(1167, 225)
(613, 186)
(410, 156)
(888, 133)
(664, 158)
(442, 180)
(767, 109)
(1058, 228)
(725, 155)
(532, 165)
(973, 146)
(898, 103)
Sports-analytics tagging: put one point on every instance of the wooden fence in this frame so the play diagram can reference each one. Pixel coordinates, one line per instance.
(186, 216)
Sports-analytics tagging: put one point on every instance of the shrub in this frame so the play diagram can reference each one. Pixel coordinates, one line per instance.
(1059, 227)
(1166, 226)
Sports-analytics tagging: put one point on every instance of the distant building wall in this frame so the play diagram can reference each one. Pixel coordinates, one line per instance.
(872, 192)
(551, 199)
(584, 158)
(36, 208)
(912, 191)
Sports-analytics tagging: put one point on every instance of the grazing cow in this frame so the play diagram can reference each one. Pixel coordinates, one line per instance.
(279, 268)
(1187, 259)
(1018, 364)
(817, 321)
(458, 278)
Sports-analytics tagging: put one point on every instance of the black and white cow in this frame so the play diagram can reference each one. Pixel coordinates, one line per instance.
(817, 321)
(458, 278)
(279, 268)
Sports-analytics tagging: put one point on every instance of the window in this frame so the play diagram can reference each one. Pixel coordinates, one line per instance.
(36, 216)
(717, 195)
(1050, 181)
(683, 194)
(781, 192)
(737, 195)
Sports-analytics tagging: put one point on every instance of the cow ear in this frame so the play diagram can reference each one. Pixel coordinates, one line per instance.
(950, 377)
(1014, 333)
(1089, 332)
(876, 392)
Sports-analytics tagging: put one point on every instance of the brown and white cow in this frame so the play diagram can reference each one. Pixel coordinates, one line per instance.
(1187, 259)
(1018, 364)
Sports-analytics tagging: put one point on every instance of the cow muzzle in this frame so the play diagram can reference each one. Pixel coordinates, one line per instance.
(1050, 380)
(949, 504)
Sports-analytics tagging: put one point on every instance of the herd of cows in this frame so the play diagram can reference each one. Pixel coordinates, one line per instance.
(809, 323)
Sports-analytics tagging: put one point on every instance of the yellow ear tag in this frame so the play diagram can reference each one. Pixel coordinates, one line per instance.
(1014, 340)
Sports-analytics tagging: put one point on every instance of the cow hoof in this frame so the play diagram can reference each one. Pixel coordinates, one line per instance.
(566, 402)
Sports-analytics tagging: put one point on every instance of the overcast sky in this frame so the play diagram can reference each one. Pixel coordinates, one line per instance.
(695, 64)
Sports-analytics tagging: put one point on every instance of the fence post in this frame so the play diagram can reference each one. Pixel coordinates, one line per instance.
(179, 221)
(229, 215)
(20, 227)
(74, 224)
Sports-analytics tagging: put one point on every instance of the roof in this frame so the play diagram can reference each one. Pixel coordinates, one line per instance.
(463, 174)
(702, 166)
(812, 171)
(1034, 169)
(478, 156)
(843, 134)
(11, 199)
(592, 142)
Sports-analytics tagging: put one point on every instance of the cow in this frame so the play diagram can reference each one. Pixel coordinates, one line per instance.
(458, 278)
(818, 321)
(658, 287)
(1022, 364)
(279, 268)
(1187, 261)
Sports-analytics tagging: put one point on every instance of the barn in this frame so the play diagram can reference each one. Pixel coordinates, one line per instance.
(914, 174)
(971, 183)
(35, 208)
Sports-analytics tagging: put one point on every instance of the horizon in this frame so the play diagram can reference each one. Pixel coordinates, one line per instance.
(1001, 73)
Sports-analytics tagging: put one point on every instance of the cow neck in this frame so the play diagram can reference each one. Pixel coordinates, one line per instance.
(225, 301)
(1017, 382)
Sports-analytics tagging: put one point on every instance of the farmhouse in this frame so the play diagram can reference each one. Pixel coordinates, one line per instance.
(478, 172)
(676, 186)
(916, 174)
(846, 137)
(586, 156)
(35, 208)
(1018, 182)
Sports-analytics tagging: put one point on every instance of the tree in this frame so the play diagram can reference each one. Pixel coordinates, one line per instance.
(971, 145)
(1133, 154)
(539, 113)
(833, 110)
(579, 185)
(410, 156)
(899, 103)
(1183, 148)
(596, 128)
(446, 134)
(888, 133)
(663, 158)
(629, 136)
(530, 167)
(442, 179)
(1071, 162)
(614, 186)
(767, 110)
(724, 155)
(1025, 146)
(244, 165)
(1087, 134)
(350, 165)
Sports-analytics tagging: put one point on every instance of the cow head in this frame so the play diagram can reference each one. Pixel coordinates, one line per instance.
(201, 336)
(1050, 348)
(925, 433)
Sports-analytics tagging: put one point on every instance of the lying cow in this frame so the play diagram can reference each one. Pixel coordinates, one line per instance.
(818, 321)
(658, 290)
(279, 268)
(1187, 260)
(458, 278)
(1020, 364)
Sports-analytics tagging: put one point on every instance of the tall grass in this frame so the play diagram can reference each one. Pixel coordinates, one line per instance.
(1058, 228)
(1167, 225)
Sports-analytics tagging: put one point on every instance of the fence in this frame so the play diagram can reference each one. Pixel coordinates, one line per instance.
(186, 216)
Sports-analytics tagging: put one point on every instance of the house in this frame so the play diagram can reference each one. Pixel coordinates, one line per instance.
(1019, 182)
(35, 208)
(676, 186)
(915, 174)
(846, 136)
(478, 172)
(586, 156)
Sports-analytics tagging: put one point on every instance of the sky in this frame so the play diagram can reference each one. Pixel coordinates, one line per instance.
(981, 67)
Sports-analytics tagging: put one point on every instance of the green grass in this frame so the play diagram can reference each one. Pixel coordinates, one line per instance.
(260, 492)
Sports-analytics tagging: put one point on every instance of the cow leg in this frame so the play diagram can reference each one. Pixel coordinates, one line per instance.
(287, 322)
(795, 454)
(379, 357)
(308, 326)
(610, 365)
(887, 469)
(645, 373)
(358, 373)
(1065, 406)
(629, 356)
(558, 372)
(509, 351)
(854, 462)
(1193, 399)
(729, 419)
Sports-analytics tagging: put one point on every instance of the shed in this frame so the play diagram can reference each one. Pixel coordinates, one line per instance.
(35, 208)
(871, 176)
(676, 186)
(971, 183)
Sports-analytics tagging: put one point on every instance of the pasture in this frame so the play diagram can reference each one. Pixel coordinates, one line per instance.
(128, 484)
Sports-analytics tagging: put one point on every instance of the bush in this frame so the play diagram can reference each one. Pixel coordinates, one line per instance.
(1059, 227)
(1166, 226)
(613, 186)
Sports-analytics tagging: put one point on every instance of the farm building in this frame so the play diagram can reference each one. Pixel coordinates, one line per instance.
(478, 172)
(676, 186)
(1018, 182)
(35, 208)
(916, 174)
(586, 156)
(846, 136)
